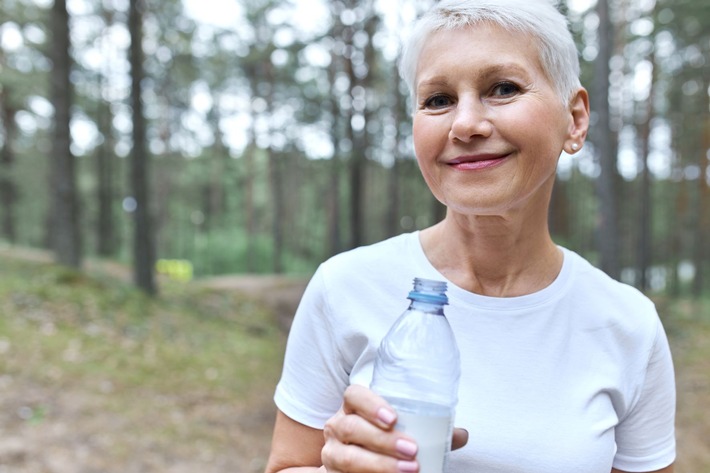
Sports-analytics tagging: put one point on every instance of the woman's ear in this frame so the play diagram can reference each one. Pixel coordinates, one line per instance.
(579, 125)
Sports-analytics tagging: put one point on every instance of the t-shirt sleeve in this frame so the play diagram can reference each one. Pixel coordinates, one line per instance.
(645, 437)
(313, 380)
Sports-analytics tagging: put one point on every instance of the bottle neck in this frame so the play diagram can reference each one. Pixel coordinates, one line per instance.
(427, 307)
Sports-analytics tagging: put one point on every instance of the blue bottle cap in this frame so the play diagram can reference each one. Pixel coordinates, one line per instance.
(429, 291)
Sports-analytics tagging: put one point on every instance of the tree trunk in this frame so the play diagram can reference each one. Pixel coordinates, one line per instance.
(645, 235)
(678, 205)
(335, 244)
(605, 141)
(393, 187)
(700, 251)
(278, 223)
(357, 156)
(63, 233)
(438, 210)
(277, 183)
(106, 240)
(106, 237)
(249, 177)
(218, 169)
(105, 192)
(644, 232)
(335, 238)
(559, 214)
(8, 189)
(143, 237)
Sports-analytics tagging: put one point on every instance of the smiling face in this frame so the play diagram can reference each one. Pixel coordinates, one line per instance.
(489, 126)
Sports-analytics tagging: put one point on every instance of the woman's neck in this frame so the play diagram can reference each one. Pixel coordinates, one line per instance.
(493, 255)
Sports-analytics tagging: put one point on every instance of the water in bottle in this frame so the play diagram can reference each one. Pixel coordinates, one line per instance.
(417, 371)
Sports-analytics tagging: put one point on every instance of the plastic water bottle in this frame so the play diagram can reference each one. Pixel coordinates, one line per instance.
(417, 371)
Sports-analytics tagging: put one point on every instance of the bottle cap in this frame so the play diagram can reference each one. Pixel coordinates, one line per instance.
(429, 291)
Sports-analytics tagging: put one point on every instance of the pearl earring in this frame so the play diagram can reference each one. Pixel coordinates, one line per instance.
(575, 146)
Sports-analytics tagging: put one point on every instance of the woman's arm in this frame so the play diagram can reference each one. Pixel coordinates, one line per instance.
(359, 438)
(294, 446)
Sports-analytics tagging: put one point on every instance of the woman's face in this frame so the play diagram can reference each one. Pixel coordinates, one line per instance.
(489, 126)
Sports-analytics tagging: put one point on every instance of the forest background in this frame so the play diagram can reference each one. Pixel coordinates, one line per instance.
(264, 136)
(180, 143)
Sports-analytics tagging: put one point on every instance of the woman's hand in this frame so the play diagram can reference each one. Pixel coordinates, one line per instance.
(361, 437)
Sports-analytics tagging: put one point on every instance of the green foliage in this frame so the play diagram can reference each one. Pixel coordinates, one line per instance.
(229, 251)
(232, 113)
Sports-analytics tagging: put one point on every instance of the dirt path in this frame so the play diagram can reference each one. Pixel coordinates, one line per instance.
(81, 434)
(280, 293)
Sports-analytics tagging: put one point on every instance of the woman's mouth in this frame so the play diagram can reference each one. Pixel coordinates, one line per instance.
(475, 162)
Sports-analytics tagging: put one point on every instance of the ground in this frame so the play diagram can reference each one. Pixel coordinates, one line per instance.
(55, 420)
(48, 424)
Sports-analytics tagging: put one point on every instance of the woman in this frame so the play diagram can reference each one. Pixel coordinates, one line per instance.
(563, 369)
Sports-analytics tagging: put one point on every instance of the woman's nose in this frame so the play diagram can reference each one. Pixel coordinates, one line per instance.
(470, 120)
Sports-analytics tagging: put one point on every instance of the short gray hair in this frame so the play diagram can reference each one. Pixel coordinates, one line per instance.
(538, 18)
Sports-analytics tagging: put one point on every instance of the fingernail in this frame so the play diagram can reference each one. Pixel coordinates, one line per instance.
(386, 416)
(406, 447)
(407, 467)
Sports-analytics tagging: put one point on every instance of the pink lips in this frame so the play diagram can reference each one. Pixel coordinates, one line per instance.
(474, 162)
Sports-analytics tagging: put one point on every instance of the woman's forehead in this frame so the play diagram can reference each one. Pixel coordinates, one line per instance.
(481, 45)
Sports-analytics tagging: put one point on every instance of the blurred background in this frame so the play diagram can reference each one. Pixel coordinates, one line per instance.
(172, 172)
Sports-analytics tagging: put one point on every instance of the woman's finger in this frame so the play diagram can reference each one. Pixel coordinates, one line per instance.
(352, 429)
(368, 405)
(459, 439)
(349, 458)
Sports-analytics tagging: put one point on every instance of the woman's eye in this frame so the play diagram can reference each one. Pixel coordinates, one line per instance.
(437, 101)
(505, 89)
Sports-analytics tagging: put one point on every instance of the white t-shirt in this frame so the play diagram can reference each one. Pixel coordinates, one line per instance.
(577, 377)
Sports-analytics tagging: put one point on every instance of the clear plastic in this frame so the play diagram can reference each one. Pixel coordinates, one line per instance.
(417, 370)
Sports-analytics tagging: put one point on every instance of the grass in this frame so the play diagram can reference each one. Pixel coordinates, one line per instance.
(83, 326)
(179, 372)
(687, 322)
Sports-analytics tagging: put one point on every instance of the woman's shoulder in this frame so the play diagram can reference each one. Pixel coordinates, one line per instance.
(380, 255)
(596, 279)
(593, 288)
(387, 266)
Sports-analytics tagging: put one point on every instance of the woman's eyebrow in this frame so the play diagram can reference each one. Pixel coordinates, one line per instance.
(437, 81)
(478, 73)
(502, 68)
